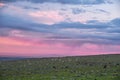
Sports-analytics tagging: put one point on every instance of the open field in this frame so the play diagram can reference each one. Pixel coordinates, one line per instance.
(102, 67)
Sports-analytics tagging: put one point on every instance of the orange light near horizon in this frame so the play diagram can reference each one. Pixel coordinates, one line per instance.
(10, 41)
(2, 4)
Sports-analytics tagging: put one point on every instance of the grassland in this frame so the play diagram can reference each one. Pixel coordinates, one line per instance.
(102, 67)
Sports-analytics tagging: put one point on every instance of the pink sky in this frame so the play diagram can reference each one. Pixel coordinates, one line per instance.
(58, 28)
(16, 47)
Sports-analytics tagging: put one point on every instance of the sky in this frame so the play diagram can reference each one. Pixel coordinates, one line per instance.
(50, 28)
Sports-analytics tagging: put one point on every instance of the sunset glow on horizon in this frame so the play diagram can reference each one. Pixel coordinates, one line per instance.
(48, 28)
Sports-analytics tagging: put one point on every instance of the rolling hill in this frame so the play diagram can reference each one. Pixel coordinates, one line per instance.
(99, 67)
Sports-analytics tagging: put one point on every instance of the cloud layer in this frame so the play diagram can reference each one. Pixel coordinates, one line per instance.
(63, 1)
(59, 27)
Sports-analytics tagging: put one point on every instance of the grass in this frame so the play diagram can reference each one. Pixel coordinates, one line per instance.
(102, 67)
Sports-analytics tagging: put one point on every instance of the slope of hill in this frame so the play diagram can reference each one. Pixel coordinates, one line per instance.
(10, 58)
(101, 67)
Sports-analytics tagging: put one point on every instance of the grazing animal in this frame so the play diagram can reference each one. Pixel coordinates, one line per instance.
(54, 67)
(105, 66)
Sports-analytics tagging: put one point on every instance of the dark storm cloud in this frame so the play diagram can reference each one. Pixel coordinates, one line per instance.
(88, 2)
(28, 7)
(116, 22)
(79, 25)
(92, 32)
(7, 21)
(104, 33)
(16, 23)
(77, 11)
(103, 11)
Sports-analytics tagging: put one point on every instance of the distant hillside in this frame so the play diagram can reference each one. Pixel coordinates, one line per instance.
(52, 56)
(10, 58)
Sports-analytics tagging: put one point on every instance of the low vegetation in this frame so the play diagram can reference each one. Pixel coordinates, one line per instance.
(102, 67)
